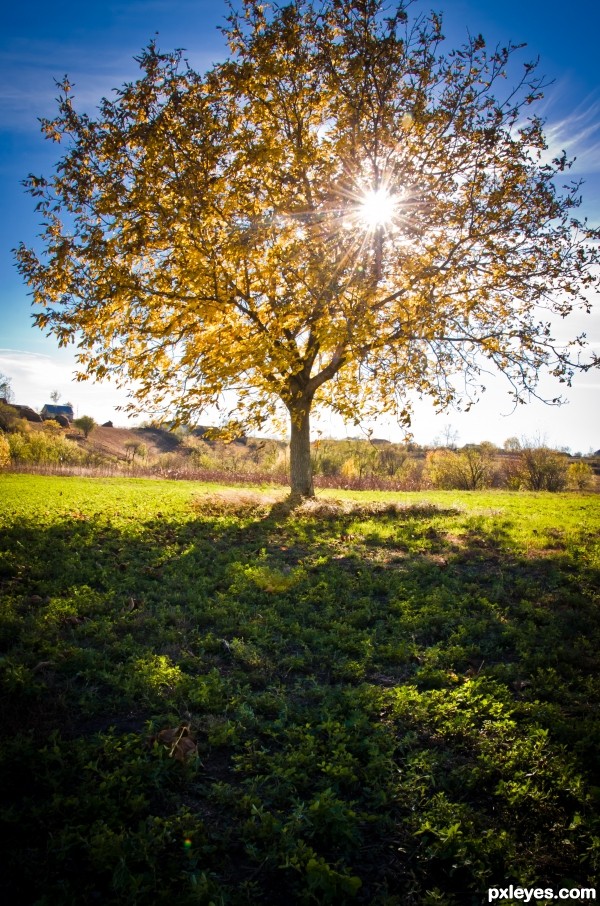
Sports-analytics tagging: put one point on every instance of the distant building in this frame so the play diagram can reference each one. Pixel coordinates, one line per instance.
(51, 410)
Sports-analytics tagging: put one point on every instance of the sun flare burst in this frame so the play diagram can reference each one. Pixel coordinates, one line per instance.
(377, 208)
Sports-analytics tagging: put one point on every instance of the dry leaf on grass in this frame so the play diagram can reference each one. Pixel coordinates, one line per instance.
(178, 742)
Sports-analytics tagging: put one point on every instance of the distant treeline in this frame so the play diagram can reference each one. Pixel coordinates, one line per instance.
(350, 463)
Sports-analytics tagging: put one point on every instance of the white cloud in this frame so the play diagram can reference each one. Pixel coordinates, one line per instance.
(34, 376)
(578, 134)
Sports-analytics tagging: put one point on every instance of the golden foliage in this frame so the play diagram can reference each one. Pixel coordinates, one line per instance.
(203, 233)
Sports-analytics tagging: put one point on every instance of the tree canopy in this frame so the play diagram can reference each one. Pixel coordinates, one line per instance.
(86, 424)
(6, 390)
(339, 214)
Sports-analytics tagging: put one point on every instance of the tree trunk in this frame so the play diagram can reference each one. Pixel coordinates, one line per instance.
(301, 481)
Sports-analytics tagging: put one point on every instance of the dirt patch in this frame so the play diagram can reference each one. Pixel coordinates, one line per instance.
(536, 553)
(113, 441)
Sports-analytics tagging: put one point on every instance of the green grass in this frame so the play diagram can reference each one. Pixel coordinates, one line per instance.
(393, 704)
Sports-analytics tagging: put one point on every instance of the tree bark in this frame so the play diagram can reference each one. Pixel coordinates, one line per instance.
(301, 480)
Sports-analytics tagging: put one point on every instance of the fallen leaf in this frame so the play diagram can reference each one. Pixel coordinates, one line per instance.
(179, 743)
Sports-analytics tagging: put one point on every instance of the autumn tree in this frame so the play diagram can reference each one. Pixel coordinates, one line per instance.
(6, 389)
(135, 448)
(86, 424)
(543, 469)
(340, 214)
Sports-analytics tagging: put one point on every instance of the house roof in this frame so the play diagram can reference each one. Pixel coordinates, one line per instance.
(52, 409)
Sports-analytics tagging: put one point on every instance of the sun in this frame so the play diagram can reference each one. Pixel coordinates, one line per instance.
(377, 208)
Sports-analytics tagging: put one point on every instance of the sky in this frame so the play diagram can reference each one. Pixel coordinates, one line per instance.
(95, 43)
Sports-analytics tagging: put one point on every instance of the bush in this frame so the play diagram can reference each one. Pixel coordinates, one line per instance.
(4, 452)
(86, 424)
(543, 469)
(391, 459)
(469, 470)
(350, 468)
(8, 417)
(411, 477)
(52, 428)
(511, 474)
(580, 476)
(43, 447)
(135, 448)
(328, 457)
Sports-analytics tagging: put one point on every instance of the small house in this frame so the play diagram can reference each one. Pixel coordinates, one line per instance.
(54, 411)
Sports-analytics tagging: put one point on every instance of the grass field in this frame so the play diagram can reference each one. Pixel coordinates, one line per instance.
(388, 699)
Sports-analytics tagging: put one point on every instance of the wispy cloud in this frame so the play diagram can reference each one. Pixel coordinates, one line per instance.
(41, 63)
(28, 363)
(577, 133)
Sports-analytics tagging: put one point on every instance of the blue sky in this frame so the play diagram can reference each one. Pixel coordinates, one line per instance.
(94, 43)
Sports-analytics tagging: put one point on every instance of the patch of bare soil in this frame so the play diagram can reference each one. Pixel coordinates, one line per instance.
(113, 441)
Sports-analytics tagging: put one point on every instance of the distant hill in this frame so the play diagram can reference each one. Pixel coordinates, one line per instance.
(113, 441)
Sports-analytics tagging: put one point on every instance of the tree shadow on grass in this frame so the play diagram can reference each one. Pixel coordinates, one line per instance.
(83, 596)
(346, 691)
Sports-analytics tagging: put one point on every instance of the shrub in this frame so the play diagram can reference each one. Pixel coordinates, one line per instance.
(411, 476)
(135, 448)
(391, 459)
(350, 468)
(469, 470)
(52, 427)
(86, 424)
(511, 475)
(4, 452)
(8, 417)
(580, 476)
(543, 469)
(327, 465)
(43, 447)
(328, 457)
